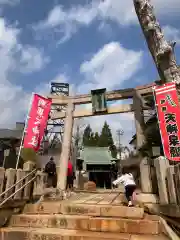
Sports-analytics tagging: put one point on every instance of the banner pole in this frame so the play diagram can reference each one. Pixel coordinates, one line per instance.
(154, 96)
(24, 131)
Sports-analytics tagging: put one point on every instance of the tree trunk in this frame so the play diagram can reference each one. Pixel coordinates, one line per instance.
(161, 50)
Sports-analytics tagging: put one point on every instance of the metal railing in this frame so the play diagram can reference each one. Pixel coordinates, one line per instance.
(19, 189)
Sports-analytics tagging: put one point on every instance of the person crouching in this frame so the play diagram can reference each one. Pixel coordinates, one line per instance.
(128, 181)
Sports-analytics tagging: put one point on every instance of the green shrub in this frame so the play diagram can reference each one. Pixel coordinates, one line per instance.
(28, 154)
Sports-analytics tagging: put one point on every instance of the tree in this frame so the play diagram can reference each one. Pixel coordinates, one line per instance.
(87, 135)
(96, 139)
(161, 50)
(106, 138)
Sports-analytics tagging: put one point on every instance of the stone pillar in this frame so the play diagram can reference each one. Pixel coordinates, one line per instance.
(19, 175)
(139, 119)
(161, 164)
(145, 176)
(39, 184)
(27, 168)
(6, 154)
(145, 172)
(10, 179)
(63, 161)
(171, 185)
(76, 180)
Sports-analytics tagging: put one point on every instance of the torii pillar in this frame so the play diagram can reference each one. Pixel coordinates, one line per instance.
(66, 145)
(145, 168)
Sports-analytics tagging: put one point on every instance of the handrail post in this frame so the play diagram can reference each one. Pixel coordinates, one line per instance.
(13, 185)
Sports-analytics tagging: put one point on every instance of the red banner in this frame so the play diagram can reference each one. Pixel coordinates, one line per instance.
(169, 119)
(38, 117)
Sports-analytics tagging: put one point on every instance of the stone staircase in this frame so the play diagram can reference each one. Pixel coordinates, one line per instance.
(70, 220)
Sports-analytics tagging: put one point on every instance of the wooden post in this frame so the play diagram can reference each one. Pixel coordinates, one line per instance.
(63, 161)
(161, 50)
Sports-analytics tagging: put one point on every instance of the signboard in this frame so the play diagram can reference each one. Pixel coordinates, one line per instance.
(99, 100)
(37, 121)
(168, 112)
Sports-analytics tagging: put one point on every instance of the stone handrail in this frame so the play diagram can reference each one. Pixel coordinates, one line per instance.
(168, 178)
(21, 184)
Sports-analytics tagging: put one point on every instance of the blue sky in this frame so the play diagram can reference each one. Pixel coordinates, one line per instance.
(88, 43)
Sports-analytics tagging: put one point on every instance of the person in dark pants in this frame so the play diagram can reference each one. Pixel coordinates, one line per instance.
(128, 181)
(50, 169)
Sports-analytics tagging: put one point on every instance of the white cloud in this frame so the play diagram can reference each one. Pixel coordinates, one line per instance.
(32, 59)
(167, 8)
(67, 21)
(172, 33)
(75, 15)
(110, 67)
(13, 99)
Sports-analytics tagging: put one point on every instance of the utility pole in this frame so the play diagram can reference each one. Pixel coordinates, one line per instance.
(77, 139)
(120, 133)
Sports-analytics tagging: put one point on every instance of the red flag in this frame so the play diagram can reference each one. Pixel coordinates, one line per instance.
(169, 119)
(38, 117)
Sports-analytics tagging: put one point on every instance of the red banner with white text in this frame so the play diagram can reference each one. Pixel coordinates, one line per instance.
(37, 122)
(169, 119)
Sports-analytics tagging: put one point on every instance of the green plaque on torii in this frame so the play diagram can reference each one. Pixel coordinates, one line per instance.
(99, 104)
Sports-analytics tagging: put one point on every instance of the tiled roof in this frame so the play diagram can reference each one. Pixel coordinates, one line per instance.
(10, 134)
(96, 155)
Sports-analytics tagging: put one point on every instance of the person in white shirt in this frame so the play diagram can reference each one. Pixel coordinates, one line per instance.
(128, 181)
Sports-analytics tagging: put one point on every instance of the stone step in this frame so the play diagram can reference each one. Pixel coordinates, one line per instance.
(64, 234)
(113, 198)
(76, 222)
(84, 209)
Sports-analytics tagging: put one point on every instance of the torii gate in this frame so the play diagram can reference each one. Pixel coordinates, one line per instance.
(164, 59)
(137, 107)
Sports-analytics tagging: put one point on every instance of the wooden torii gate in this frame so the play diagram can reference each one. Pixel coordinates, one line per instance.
(137, 107)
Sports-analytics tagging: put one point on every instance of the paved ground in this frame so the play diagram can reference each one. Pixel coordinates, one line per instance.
(104, 198)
